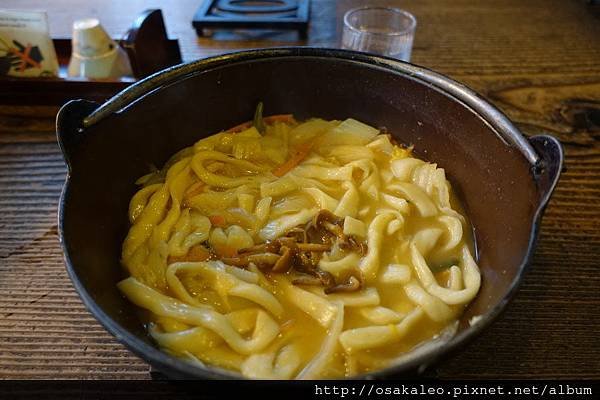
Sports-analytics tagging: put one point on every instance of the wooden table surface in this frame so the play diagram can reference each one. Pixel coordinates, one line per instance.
(538, 60)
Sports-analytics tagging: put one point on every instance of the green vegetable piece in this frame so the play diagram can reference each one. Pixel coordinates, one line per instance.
(159, 175)
(259, 122)
(443, 266)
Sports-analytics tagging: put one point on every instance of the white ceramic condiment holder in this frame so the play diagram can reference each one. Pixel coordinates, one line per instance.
(95, 55)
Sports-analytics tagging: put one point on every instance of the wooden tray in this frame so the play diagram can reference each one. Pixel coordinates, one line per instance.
(147, 45)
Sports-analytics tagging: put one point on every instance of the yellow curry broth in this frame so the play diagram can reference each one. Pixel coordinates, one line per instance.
(282, 148)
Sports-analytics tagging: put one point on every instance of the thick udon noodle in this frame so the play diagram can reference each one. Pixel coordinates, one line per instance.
(308, 250)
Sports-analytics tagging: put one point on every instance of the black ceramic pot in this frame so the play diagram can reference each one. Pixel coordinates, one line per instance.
(504, 179)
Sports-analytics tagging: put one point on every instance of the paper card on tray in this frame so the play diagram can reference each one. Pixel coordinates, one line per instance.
(26, 49)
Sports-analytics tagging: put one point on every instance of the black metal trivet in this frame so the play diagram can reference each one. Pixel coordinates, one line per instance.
(253, 14)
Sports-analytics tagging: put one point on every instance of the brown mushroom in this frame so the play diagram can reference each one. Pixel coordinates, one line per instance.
(307, 280)
(285, 261)
(264, 258)
(305, 262)
(316, 234)
(327, 216)
(353, 284)
(298, 234)
(260, 259)
(325, 277)
(301, 249)
(334, 229)
(362, 247)
(287, 241)
(268, 247)
(352, 243)
(236, 261)
(313, 247)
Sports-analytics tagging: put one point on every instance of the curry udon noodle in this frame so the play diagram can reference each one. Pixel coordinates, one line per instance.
(287, 250)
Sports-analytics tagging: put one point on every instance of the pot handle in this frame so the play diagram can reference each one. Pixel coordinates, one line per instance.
(69, 126)
(549, 166)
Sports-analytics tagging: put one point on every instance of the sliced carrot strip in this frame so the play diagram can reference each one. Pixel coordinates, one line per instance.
(241, 127)
(225, 251)
(195, 254)
(198, 253)
(302, 151)
(271, 119)
(286, 118)
(194, 190)
(217, 220)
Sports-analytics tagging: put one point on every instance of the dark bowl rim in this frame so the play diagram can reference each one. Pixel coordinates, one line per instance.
(489, 114)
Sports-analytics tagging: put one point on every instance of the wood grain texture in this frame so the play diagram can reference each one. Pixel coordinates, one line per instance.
(539, 61)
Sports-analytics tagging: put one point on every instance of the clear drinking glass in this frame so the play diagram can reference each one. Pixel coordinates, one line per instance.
(382, 30)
